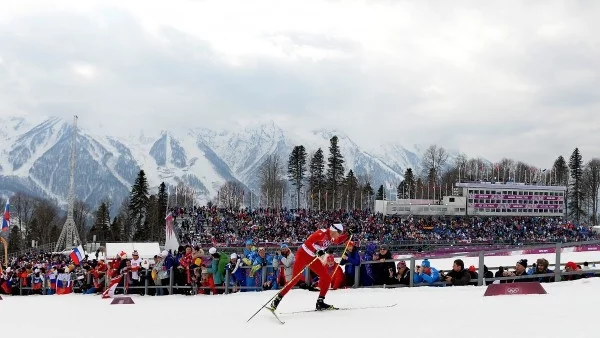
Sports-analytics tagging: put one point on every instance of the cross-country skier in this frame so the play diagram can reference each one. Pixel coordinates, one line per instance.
(314, 246)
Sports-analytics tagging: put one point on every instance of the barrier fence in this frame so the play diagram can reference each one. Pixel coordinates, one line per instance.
(226, 288)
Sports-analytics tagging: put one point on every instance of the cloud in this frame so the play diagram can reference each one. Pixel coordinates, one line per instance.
(496, 81)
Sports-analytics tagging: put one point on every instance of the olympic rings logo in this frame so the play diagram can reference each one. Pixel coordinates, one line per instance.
(513, 291)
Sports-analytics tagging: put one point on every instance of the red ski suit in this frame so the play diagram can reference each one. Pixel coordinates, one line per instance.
(319, 240)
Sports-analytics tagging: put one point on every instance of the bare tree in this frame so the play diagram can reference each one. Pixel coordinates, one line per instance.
(230, 195)
(272, 183)
(434, 159)
(591, 179)
(23, 206)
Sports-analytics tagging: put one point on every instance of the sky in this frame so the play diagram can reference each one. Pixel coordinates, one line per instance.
(512, 79)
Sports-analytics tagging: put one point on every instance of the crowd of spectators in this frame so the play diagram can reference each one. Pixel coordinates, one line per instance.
(266, 260)
(221, 227)
(191, 270)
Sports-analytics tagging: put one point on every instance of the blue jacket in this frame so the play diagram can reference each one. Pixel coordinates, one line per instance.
(423, 278)
(367, 275)
(352, 262)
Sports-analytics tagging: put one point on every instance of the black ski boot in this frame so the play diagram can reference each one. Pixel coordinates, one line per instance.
(275, 303)
(321, 305)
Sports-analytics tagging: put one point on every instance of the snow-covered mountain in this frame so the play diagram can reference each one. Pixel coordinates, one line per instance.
(34, 157)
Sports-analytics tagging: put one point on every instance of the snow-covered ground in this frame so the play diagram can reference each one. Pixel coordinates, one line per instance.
(568, 310)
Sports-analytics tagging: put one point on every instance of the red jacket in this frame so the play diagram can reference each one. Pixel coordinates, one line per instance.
(320, 240)
(337, 276)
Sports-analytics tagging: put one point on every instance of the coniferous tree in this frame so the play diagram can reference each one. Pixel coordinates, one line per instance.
(576, 189)
(101, 226)
(316, 175)
(559, 172)
(351, 188)
(592, 186)
(335, 169)
(297, 169)
(116, 230)
(380, 193)
(138, 203)
(15, 239)
(162, 203)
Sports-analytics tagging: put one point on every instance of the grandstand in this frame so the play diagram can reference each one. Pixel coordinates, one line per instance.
(485, 199)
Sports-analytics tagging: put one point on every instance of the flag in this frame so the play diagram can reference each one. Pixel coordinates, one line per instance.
(64, 285)
(169, 220)
(110, 291)
(6, 217)
(77, 255)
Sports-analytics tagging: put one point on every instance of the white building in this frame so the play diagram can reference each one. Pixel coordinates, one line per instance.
(485, 199)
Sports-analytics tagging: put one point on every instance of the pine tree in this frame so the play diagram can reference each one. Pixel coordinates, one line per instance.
(15, 239)
(163, 199)
(101, 226)
(351, 188)
(559, 172)
(138, 203)
(116, 230)
(335, 169)
(297, 169)
(576, 195)
(410, 184)
(380, 193)
(316, 175)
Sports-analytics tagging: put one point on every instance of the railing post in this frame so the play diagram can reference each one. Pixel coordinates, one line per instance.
(227, 277)
(171, 281)
(357, 275)
(557, 276)
(412, 272)
(481, 270)
(307, 275)
(146, 286)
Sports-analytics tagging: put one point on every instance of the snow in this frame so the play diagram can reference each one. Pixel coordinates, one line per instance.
(423, 312)
(566, 311)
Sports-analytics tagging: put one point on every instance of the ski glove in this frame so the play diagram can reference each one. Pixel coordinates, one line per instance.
(320, 253)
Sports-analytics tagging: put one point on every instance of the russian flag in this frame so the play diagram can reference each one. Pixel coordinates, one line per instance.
(6, 217)
(77, 255)
(64, 284)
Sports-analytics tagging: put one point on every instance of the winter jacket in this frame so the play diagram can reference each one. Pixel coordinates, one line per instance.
(286, 264)
(217, 268)
(351, 263)
(237, 275)
(382, 270)
(367, 275)
(434, 276)
(542, 279)
(460, 278)
(402, 277)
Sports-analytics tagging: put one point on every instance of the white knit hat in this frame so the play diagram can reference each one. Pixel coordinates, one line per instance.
(234, 256)
(212, 251)
(337, 227)
(164, 253)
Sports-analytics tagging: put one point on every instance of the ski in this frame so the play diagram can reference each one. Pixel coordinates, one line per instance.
(343, 309)
(274, 314)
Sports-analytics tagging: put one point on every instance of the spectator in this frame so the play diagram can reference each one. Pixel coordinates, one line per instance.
(350, 261)
(426, 274)
(488, 275)
(384, 270)
(402, 275)
(458, 276)
(283, 262)
(217, 269)
(571, 267)
(367, 273)
(520, 270)
(542, 268)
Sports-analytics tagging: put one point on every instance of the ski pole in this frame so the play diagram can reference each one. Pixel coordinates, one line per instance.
(286, 284)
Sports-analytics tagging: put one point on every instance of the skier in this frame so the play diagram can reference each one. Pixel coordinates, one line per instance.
(314, 246)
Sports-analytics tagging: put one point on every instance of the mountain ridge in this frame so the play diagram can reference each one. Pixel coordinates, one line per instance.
(35, 158)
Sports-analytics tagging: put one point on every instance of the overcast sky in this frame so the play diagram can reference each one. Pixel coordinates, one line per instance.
(515, 79)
